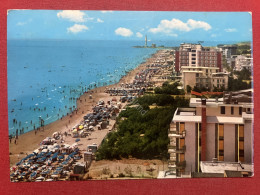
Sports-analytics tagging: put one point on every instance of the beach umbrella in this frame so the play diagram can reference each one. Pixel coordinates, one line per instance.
(39, 178)
(74, 131)
(56, 145)
(66, 146)
(36, 151)
(81, 127)
(45, 150)
(77, 140)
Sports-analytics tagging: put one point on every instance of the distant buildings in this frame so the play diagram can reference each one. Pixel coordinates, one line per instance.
(228, 50)
(199, 66)
(215, 130)
(207, 77)
(241, 62)
(236, 58)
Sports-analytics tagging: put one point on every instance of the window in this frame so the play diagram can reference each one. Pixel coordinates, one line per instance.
(222, 110)
(193, 58)
(232, 110)
(193, 62)
(241, 143)
(221, 142)
(240, 110)
(193, 54)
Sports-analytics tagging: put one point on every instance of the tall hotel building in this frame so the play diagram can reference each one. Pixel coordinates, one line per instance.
(199, 66)
(215, 132)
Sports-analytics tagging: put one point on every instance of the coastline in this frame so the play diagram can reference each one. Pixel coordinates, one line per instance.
(28, 142)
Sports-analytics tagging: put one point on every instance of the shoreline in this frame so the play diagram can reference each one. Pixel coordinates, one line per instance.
(83, 106)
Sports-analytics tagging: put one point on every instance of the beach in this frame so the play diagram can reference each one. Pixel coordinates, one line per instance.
(28, 142)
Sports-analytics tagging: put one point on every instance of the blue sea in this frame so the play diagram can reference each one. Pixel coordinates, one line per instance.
(45, 77)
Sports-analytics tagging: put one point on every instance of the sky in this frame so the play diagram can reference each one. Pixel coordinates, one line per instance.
(129, 25)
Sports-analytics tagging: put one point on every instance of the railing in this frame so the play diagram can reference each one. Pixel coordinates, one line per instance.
(172, 159)
(171, 146)
(177, 134)
(181, 150)
(181, 164)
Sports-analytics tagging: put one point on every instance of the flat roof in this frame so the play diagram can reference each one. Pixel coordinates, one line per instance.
(196, 102)
(226, 120)
(181, 118)
(221, 167)
(198, 67)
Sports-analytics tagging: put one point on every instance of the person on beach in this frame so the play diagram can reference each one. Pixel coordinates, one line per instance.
(15, 141)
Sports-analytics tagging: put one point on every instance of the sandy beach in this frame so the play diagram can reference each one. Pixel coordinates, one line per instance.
(28, 142)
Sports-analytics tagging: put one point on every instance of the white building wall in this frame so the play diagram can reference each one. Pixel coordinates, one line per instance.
(248, 142)
(191, 147)
(229, 142)
(210, 150)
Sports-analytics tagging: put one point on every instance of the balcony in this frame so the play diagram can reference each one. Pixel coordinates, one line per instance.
(171, 146)
(172, 165)
(174, 149)
(177, 134)
(181, 165)
(172, 159)
(172, 142)
(181, 150)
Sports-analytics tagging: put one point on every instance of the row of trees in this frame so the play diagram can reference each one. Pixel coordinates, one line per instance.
(168, 88)
(139, 135)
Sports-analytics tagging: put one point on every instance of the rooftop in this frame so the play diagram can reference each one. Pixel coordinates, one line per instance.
(221, 167)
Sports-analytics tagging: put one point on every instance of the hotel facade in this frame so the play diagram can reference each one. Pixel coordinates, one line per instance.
(211, 130)
(197, 66)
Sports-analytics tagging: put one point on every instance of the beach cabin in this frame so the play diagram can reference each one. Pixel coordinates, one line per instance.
(92, 148)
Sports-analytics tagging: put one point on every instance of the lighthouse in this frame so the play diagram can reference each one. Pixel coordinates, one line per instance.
(145, 44)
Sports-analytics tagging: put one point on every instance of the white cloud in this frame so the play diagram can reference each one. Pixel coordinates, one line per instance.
(213, 35)
(106, 11)
(193, 24)
(123, 32)
(250, 30)
(139, 35)
(99, 20)
(73, 16)
(76, 28)
(167, 26)
(230, 30)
